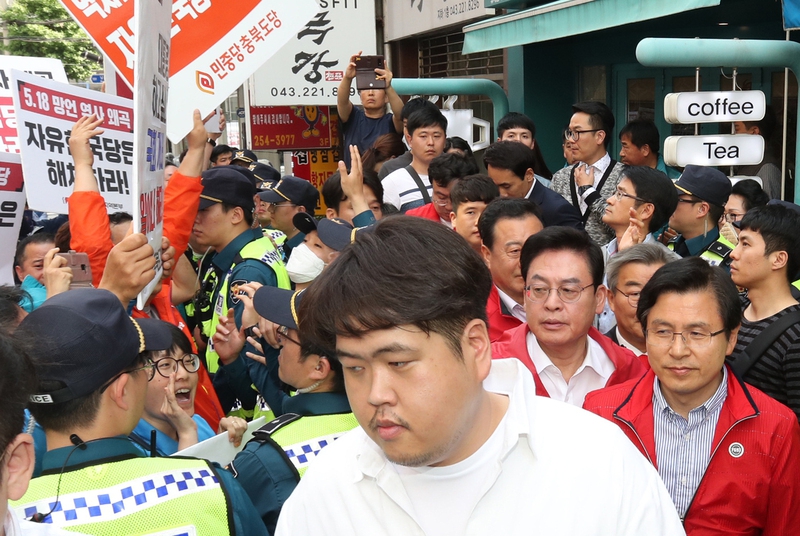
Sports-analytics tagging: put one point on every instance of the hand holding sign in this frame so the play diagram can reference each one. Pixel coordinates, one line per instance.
(129, 268)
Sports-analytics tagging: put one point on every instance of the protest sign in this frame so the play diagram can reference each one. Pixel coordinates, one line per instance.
(216, 45)
(150, 90)
(219, 449)
(49, 68)
(46, 111)
(290, 127)
(12, 204)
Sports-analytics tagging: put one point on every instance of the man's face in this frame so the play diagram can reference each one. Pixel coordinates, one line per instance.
(740, 128)
(589, 145)
(33, 262)
(630, 280)
(685, 215)
(465, 222)
(441, 200)
(412, 394)
(262, 213)
(347, 213)
(509, 184)
(223, 160)
(373, 99)
(688, 375)
(522, 135)
(617, 214)
(750, 264)
(427, 143)
(632, 155)
(209, 226)
(503, 259)
(557, 324)
(291, 370)
(282, 214)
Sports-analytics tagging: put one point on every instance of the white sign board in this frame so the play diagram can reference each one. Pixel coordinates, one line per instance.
(411, 17)
(49, 68)
(309, 68)
(12, 204)
(219, 449)
(46, 112)
(720, 150)
(714, 107)
(150, 90)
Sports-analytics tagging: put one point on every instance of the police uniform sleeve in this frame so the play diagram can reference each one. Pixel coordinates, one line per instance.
(266, 478)
(247, 272)
(266, 378)
(246, 521)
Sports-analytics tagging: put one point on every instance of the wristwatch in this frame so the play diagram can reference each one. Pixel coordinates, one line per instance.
(582, 189)
(212, 142)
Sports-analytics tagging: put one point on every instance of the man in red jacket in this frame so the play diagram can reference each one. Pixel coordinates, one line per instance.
(728, 454)
(563, 273)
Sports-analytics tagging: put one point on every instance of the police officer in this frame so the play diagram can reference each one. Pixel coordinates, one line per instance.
(223, 223)
(702, 194)
(92, 385)
(271, 464)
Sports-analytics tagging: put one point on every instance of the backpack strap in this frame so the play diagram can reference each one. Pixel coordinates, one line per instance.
(763, 340)
(264, 436)
(422, 188)
(574, 193)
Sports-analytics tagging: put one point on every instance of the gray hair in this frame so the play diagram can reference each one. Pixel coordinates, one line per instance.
(646, 254)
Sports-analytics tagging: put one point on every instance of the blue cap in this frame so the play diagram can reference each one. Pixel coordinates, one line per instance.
(706, 183)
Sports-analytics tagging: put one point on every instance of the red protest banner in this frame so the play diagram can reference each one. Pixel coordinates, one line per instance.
(290, 127)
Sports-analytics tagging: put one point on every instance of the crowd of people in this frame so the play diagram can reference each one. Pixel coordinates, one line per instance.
(610, 348)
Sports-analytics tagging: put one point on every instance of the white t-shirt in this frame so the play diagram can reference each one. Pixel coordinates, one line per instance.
(401, 191)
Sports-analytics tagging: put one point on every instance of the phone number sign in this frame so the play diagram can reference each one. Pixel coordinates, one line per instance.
(290, 127)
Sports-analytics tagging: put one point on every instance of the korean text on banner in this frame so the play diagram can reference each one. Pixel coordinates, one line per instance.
(151, 83)
(12, 203)
(46, 112)
(308, 69)
(215, 45)
(49, 68)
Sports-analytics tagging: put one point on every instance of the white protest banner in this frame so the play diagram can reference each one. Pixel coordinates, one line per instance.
(150, 91)
(49, 68)
(216, 45)
(219, 449)
(12, 204)
(308, 70)
(46, 111)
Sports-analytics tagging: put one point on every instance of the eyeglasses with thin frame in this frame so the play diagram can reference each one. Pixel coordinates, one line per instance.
(619, 194)
(149, 366)
(441, 203)
(575, 135)
(169, 365)
(633, 297)
(692, 338)
(274, 206)
(283, 331)
(731, 217)
(566, 293)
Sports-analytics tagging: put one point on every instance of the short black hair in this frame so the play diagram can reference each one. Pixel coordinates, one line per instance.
(17, 383)
(653, 187)
(778, 227)
(560, 238)
(219, 150)
(504, 208)
(333, 195)
(458, 143)
(11, 298)
(473, 188)
(425, 118)
(447, 167)
(116, 218)
(19, 255)
(751, 193)
(403, 256)
(248, 214)
(510, 155)
(643, 132)
(415, 104)
(600, 116)
(515, 120)
(688, 275)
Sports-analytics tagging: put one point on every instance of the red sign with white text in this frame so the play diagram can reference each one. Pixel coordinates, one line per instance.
(290, 127)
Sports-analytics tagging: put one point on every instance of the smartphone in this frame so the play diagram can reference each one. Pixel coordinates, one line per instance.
(81, 271)
(212, 125)
(366, 77)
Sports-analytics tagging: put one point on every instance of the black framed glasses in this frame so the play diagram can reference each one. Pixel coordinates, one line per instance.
(567, 293)
(169, 365)
(731, 217)
(148, 366)
(273, 206)
(619, 194)
(283, 331)
(690, 201)
(575, 135)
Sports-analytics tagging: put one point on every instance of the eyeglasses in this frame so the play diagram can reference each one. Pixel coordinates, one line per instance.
(693, 338)
(567, 294)
(731, 217)
(283, 331)
(273, 207)
(619, 194)
(575, 135)
(441, 202)
(633, 297)
(149, 366)
(169, 365)
(690, 201)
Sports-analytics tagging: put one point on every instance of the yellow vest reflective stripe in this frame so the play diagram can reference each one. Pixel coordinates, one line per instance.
(134, 496)
(303, 438)
(264, 250)
(716, 254)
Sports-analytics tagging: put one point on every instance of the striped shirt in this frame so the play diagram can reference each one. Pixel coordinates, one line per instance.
(683, 447)
(777, 371)
(400, 190)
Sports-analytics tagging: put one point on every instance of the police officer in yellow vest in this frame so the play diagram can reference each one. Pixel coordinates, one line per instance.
(702, 194)
(271, 464)
(92, 384)
(223, 223)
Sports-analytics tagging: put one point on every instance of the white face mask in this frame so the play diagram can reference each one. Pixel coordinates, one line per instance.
(303, 265)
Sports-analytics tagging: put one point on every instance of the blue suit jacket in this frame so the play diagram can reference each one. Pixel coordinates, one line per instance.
(555, 209)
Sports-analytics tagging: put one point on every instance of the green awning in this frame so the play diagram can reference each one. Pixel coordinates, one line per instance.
(564, 18)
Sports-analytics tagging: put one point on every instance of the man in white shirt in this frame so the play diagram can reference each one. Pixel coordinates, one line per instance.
(450, 442)
(568, 357)
(409, 187)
